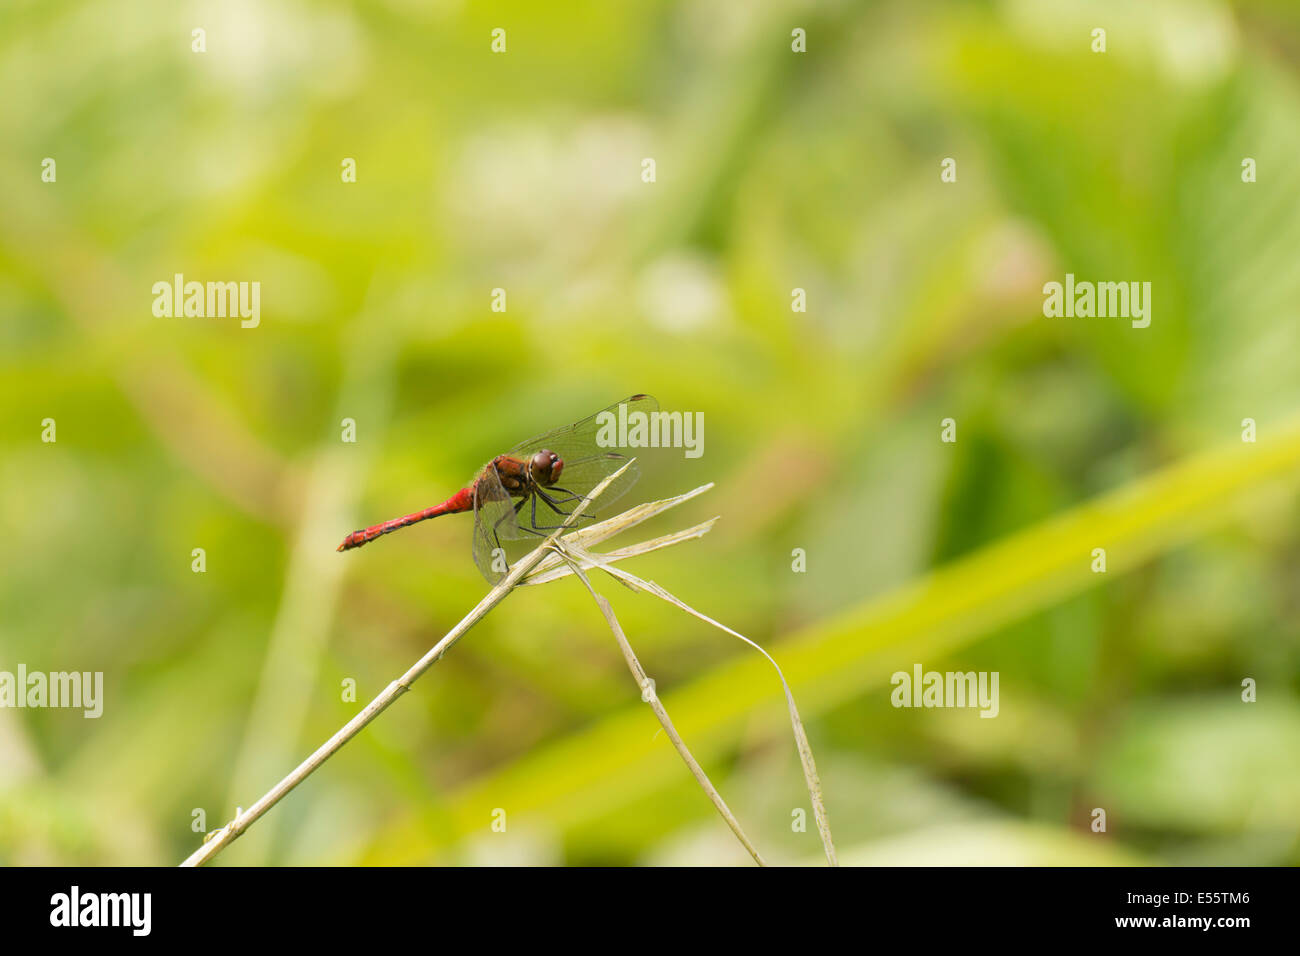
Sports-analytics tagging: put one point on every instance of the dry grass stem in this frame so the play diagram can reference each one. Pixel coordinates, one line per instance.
(218, 840)
(588, 560)
(564, 552)
(650, 697)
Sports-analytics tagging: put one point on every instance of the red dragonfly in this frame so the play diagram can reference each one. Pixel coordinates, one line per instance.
(556, 470)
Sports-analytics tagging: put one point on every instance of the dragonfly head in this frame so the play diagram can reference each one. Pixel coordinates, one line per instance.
(545, 467)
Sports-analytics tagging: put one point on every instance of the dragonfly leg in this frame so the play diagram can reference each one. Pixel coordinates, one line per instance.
(497, 537)
(566, 491)
(571, 495)
(522, 527)
(554, 506)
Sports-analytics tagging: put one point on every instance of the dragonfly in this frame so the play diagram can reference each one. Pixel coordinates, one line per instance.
(529, 491)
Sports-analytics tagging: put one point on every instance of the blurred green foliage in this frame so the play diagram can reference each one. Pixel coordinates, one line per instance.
(775, 171)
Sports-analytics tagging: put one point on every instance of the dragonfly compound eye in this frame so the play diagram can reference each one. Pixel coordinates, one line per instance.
(546, 466)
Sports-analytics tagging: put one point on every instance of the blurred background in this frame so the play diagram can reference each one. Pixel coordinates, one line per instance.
(774, 171)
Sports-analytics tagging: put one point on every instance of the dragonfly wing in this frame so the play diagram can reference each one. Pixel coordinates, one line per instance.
(590, 451)
(586, 437)
(494, 524)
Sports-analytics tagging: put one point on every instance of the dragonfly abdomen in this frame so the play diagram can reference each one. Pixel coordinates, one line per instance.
(462, 500)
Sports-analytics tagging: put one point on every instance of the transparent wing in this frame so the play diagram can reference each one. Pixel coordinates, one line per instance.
(581, 438)
(590, 450)
(494, 524)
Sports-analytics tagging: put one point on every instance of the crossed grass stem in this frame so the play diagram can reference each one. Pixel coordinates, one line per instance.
(649, 695)
(555, 557)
